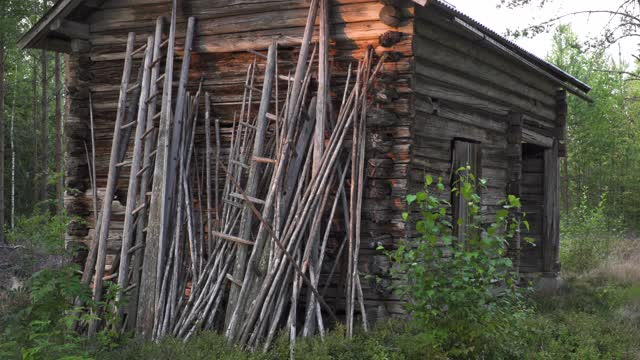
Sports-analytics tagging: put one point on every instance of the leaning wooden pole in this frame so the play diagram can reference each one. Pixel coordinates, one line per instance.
(136, 161)
(112, 178)
(208, 156)
(251, 190)
(171, 165)
(149, 283)
(145, 181)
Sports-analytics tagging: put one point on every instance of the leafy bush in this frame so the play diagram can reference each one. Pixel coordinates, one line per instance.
(43, 328)
(45, 231)
(587, 237)
(464, 289)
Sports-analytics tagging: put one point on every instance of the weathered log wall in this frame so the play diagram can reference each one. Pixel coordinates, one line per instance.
(442, 83)
(224, 30)
(466, 90)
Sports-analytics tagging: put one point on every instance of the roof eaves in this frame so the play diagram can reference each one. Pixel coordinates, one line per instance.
(59, 10)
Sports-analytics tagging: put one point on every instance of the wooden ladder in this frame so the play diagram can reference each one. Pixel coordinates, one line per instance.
(143, 152)
(118, 150)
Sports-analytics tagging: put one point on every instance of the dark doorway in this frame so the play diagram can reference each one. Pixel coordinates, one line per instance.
(532, 198)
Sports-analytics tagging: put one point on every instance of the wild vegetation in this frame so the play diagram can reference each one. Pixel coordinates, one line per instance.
(479, 312)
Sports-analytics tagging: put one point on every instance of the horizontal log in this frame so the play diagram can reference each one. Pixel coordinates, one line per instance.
(532, 137)
(430, 23)
(480, 87)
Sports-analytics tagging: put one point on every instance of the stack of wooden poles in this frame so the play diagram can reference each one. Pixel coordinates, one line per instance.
(233, 237)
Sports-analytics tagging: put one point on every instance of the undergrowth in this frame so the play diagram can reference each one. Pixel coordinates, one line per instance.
(594, 315)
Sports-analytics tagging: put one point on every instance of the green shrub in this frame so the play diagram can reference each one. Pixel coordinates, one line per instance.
(463, 292)
(44, 231)
(587, 237)
(43, 328)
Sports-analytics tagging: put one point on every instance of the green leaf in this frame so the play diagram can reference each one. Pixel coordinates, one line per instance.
(428, 180)
(411, 198)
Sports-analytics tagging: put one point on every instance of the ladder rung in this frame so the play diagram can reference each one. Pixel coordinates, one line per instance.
(157, 116)
(110, 277)
(142, 170)
(251, 198)
(257, 53)
(138, 209)
(145, 230)
(265, 160)
(164, 43)
(249, 87)
(153, 153)
(124, 163)
(155, 62)
(160, 78)
(146, 133)
(153, 97)
(248, 125)
(139, 50)
(231, 238)
(285, 77)
(234, 281)
(149, 193)
(134, 87)
(271, 116)
(126, 126)
(242, 165)
(234, 204)
(135, 248)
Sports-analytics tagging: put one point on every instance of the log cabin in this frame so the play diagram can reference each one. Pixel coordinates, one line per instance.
(452, 92)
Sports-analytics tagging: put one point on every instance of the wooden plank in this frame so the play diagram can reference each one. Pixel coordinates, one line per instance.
(533, 137)
(551, 220)
(465, 153)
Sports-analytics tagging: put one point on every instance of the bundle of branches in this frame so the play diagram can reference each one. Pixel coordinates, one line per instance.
(250, 264)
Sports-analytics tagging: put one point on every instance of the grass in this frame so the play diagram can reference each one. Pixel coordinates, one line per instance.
(594, 315)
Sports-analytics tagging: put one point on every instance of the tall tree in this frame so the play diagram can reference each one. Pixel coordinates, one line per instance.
(58, 134)
(3, 39)
(12, 137)
(623, 19)
(603, 139)
(34, 112)
(43, 126)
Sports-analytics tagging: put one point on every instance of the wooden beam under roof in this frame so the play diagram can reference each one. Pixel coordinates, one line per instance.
(55, 21)
(70, 29)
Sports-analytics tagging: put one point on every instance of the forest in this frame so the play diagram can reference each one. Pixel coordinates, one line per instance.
(594, 313)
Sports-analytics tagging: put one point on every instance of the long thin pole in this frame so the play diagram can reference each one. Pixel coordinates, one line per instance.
(112, 178)
(13, 151)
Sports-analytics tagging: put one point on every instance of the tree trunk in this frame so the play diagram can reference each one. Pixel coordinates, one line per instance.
(13, 150)
(34, 111)
(43, 128)
(2, 92)
(60, 177)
